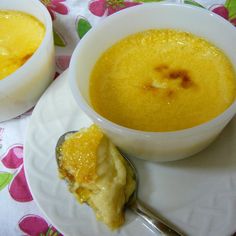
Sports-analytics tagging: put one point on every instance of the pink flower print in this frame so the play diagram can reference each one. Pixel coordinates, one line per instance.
(224, 11)
(220, 10)
(108, 7)
(14, 157)
(18, 188)
(63, 62)
(55, 6)
(34, 225)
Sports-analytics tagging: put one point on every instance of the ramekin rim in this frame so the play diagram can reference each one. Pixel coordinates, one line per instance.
(88, 110)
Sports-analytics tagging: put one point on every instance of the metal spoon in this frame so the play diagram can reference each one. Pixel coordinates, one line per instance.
(134, 203)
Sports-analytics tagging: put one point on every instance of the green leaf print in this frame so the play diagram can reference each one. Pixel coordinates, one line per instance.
(5, 179)
(191, 2)
(58, 40)
(51, 232)
(83, 27)
(231, 6)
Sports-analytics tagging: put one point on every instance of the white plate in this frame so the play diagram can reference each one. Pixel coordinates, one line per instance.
(198, 194)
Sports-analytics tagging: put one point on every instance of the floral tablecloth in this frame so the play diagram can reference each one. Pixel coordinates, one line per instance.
(19, 214)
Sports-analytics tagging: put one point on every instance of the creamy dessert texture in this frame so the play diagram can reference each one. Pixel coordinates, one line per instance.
(162, 80)
(97, 174)
(20, 36)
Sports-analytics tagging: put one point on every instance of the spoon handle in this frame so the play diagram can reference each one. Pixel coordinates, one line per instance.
(153, 220)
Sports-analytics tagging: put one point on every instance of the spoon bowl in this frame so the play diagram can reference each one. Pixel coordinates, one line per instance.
(151, 218)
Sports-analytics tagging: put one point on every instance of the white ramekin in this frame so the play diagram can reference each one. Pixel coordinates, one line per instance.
(156, 146)
(20, 90)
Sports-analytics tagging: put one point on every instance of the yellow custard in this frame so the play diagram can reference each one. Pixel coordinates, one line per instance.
(162, 80)
(20, 36)
(97, 174)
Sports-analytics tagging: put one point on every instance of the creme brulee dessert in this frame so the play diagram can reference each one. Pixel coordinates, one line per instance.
(97, 174)
(20, 36)
(162, 80)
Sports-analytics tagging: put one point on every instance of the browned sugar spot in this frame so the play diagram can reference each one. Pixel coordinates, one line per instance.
(184, 76)
(25, 58)
(177, 74)
(172, 74)
(186, 82)
(20, 60)
(161, 68)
